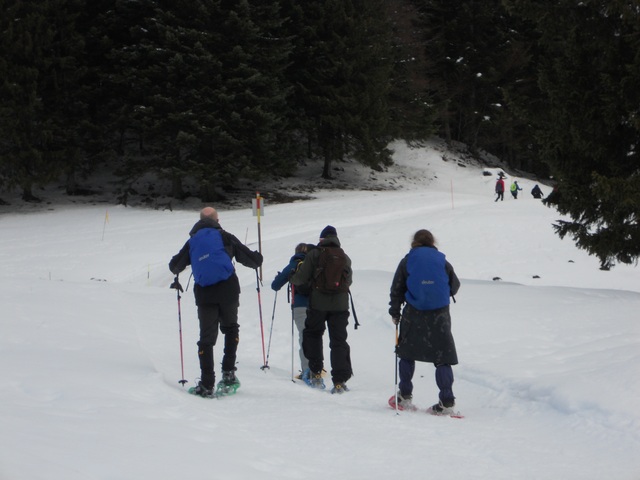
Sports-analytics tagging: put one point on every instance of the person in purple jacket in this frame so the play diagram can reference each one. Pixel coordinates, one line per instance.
(424, 282)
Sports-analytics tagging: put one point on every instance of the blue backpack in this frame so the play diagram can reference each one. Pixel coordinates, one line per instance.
(210, 262)
(428, 283)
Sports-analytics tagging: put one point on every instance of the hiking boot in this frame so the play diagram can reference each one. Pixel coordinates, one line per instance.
(229, 377)
(405, 402)
(441, 408)
(229, 384)
(315, 380)
(340, 387)
(204, 391)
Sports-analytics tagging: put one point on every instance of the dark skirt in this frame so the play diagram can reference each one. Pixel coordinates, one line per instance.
(425, 336)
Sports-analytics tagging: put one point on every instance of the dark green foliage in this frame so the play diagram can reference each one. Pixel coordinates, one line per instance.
(411, 110)
(201, 93)
(252, 101)
(198, 90)
(157, 66)
(589, 132)
(340, 70)
(470, 61)
(40, 115)
(205, 91)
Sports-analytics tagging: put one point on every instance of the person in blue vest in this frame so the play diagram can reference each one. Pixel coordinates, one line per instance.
(300, 300)
(210, 251)
(424, 282)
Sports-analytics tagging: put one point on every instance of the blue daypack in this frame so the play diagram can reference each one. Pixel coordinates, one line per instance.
(210, 262)
(428, 283)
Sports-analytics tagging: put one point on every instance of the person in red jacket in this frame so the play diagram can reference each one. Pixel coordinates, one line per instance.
(500, 188)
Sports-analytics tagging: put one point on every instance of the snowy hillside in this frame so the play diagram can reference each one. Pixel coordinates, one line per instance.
(89, 351)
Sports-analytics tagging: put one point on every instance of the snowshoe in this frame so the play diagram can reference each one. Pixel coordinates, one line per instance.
(404, 402)
(202, 391)
(339, 388)
(228, 385)
(315, 381)
(440, 410)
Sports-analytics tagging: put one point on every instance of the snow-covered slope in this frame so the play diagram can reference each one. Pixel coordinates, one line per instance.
(89, 351)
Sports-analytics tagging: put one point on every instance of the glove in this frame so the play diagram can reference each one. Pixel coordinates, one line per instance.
(176, 285)
(395, 320)
(292, 272)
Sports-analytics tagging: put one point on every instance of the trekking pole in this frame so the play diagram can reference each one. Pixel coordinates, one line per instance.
(353, 309)
(273, 315)
(293, 320)
(264, 359)
(396, 367)
(178, 287)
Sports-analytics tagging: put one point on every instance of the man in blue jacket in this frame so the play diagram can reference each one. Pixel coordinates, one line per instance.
(209, 251)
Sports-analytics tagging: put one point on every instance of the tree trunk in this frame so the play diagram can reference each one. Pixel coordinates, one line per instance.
(326, 169)
(176, 187)
(27, 193)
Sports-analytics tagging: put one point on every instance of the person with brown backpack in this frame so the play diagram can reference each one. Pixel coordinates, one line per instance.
(327, 269)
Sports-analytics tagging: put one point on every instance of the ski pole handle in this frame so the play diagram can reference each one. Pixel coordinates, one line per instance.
(176, 284)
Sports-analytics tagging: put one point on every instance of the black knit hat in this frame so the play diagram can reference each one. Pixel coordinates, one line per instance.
(328, 231)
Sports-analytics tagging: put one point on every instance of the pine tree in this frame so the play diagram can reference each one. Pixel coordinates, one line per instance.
(154, 75)
(589, 132)
(340, 70)
(193, 90)
(373, 62)
(411, 108)
(40, 114)
(468, 54)
(252, 135)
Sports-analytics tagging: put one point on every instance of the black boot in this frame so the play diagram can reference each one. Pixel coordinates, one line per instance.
(203, 391)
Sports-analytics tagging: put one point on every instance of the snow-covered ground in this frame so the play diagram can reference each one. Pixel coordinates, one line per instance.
(549, 374)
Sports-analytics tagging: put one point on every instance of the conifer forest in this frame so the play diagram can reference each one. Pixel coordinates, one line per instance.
(200, 93)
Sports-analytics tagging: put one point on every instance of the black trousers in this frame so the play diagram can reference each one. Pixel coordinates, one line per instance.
(337, 323)
(213, 317)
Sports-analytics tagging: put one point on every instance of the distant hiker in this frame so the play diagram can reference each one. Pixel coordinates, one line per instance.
(300, 300)
(328, 270)
(499, 189)
(536, 192)
(515, 188)
(209, 251)
(423, 282)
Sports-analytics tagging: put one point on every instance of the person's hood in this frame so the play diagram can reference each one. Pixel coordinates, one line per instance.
(206, 223)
